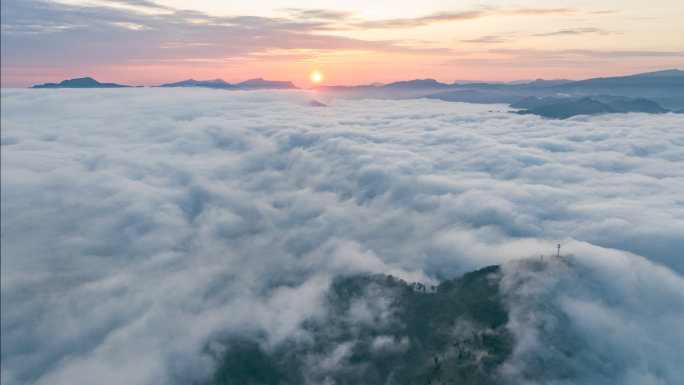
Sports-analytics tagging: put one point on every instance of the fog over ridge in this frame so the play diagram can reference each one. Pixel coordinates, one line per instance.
(142, 223)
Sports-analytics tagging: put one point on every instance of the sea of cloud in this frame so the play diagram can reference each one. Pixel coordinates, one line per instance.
(139, 224)
(598, 317)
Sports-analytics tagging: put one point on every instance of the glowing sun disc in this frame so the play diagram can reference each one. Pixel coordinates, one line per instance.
(316, 77)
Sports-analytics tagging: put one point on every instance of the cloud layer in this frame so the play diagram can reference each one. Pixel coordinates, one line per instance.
(139, 224)
(600, 317)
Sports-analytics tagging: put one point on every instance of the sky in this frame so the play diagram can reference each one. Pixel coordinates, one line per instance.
(151, 42)
(141, 225)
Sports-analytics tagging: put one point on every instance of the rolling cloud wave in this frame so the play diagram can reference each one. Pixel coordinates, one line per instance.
(137, 225)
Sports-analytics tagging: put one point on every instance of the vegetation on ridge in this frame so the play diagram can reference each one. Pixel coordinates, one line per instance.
(383, 330)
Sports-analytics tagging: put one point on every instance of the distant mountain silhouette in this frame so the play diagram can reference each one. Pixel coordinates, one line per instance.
(584, 106)
(261, 84)
(216, 83)
(665, 88)
(638, 105)
(679, 111)
(660, 85)
(419, 84)
(653, 84)
(534, 102)
(397, 90)
(673, 103)
(462, 82)
(252, 84)
(470, 96)
(421, 87)
(80, 83)
(548, 83)
(607, 98)
(343, 88)
(526, 82)
(316, 104)
(523, 81)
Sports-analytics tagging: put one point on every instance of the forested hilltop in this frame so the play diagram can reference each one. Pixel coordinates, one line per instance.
(383, 330)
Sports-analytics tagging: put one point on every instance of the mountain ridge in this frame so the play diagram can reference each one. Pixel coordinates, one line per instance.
(666, 86)
(216, 83)
(86, 82)
(261, 84)
(454, 332)
(584, 106)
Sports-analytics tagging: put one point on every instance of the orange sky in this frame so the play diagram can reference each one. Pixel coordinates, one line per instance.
(164, 41)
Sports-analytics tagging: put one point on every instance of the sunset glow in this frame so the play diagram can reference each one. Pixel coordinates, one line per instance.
(363, 192)
(358, 44)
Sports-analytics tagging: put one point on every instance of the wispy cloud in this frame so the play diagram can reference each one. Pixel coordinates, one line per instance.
(577, 31)
(517, 36)
(623, 54)
(120, 31)
(60, 34)
(319, 14)
(485, 40)
(451, 16)
(584, 52)
(531, 58)
(344, 20)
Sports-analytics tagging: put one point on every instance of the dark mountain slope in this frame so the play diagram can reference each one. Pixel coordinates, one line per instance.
(638, 105)
(454, 333)
(584, 106)
(608, 98)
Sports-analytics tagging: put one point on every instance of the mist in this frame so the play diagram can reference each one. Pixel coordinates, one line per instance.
(141, 226)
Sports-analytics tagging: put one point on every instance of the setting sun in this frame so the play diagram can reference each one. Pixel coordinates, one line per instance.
(316, 77)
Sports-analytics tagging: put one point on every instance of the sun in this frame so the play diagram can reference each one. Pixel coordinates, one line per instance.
(316, 77)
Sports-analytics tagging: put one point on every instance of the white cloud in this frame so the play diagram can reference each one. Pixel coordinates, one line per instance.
(137, 224)
(601, 317)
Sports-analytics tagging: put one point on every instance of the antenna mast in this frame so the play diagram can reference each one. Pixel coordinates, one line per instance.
(558, 255)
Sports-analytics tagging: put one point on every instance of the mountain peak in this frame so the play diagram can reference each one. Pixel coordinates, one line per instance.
(416, 84)
(86, 82)
(261, 84)
(216, 83)
(86, 79)
(584, 106)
